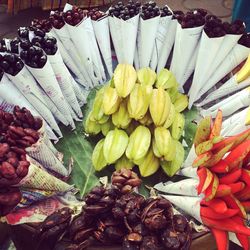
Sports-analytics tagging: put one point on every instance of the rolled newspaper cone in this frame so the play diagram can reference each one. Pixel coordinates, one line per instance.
(208, 50)
(227, 88)
(146, 38)
(189, 70)
(190, 158)
(38, 178)
(231, 104)
(101, 28)
(47, 80)
(235, 124)
(161, 36)
(229, 41)
(189, 172)
(44, 154)
(68, 60)
(167, 45)
(65, 80)
(186, 41)
(237, 55)
(80, 95)
(186, 187)
(27, 85)
(120, 31)
(190, 205)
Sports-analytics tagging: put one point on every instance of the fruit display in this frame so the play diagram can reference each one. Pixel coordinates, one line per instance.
(111, 216)
(139, 115)
(74, 16)
(149, 10)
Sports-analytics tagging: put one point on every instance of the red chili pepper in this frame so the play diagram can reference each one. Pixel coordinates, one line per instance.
(238, 154)
(216, 129)
(223, 190)
(210, 213)
(205, 177)
(201, 159)
(221, 167)
(231, 177)
(212, 188)
(245, 176)
(217, 204)
(236, 187)
(226, 225)
(221, 238)
(244, 194)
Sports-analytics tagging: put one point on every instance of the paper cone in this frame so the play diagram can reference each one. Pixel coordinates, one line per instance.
(227, 45)
(65, 80)
(190, 158)
(231, 104)
(47, 80)
(146, 38)
(167, 45)
(160, 38)
(189, 172)
(234, 239)
(68, 60)
(190, 205)
(38, 178)
(227, 88)
(101, 28)
(79, 94)
(123, 34)
(237, 55)
(27, 85)
(186, 41)
(235, 124)
(208, 50)
(186, 187)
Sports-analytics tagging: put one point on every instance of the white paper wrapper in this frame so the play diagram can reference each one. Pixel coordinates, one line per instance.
(146, 38)
(188, 172)
(38, 178)
(186, 187)
(27, 85)
(231, 104)
(190, 205)
(167, 45)
(208, 50)
(44, 154)
(227, 45)
(101, 28)
(161, 36)
(65, 80)
(235, 124)
(123, 34)
(47, 80)
(237, 55)
(186, 41)
(227, 88)
(68, 60)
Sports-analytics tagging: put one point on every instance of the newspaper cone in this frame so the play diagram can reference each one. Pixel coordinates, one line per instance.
(190, 205)
(189, 70)
(47, 80)
(186, 187)
(227, 45)
(167, 45)
(146, 38)
(190, 158)
(227, 88)
(101, 28)
(68, 44)
(186, 41)
(235, 124)
(38, 178)
(27, 85)
(237, 55)
(160, 39)
(68, 60)
(42, 153)
(65, 80)
(231, 104)
(189, 172)
(208, 50)
(10, 93)
(79, 94)
(120, 31)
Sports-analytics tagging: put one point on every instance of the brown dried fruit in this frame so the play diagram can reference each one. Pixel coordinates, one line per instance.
(31, 132)
(7, 170)
(10, 196)
(23, 168)
(4, 149)
(17, 130)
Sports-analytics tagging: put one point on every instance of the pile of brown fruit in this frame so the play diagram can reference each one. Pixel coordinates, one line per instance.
(112, 215)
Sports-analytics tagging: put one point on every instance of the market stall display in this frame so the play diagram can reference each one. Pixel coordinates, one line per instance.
(135, 117)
